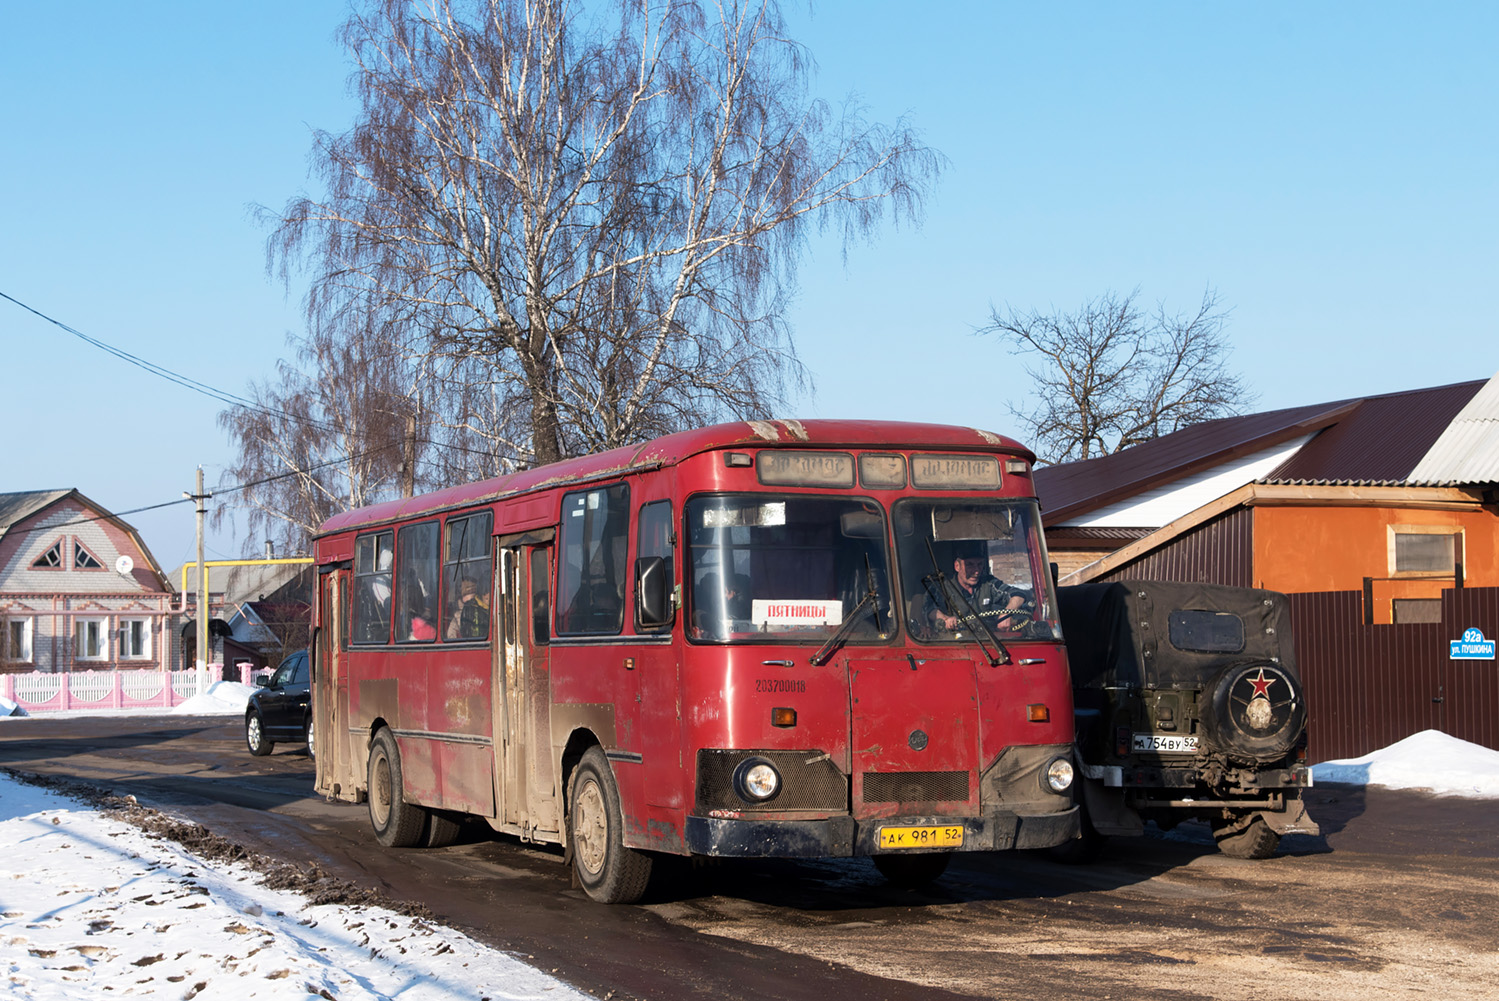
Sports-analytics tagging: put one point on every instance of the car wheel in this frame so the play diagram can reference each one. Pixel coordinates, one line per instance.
(311, 738)
(912, 872)
(397, 824)
(608, 871)
(1252, 840)
(255, 738)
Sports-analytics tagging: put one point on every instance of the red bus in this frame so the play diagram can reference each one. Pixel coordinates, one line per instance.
(771, 638)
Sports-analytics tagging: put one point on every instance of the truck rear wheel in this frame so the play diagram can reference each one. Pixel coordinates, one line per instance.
(1253, 840)
(397, 824)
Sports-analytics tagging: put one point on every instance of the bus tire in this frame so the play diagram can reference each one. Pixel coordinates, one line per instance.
(397, 823)
(442, 829)
(608, 871)
(255, 736)
(911, 872)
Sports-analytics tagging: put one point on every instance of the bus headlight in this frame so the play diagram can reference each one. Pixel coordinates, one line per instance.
(756, 780)
(1059, 775)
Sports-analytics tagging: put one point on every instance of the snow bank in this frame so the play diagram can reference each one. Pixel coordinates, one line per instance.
(93, 907)
(1430, 760)
(9, 708)
(226, 698)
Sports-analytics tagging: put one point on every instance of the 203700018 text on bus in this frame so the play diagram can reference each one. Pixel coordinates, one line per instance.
(794, 639)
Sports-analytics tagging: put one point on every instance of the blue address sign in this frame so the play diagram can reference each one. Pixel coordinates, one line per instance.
(1472, 646)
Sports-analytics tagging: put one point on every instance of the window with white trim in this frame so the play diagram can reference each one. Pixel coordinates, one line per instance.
(51, 559)
(90, 639)
(135, 639)
(16, 640)
(83, 559)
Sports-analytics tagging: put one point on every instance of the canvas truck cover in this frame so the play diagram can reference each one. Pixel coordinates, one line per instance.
(1164, 634)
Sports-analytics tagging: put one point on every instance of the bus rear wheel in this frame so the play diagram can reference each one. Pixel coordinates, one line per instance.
(608, 871)
(397, 823)
(912, 872)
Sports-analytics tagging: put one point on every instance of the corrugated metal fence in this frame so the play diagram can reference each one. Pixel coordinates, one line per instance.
(1369, 686)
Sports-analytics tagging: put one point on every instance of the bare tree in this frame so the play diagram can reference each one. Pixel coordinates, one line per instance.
(592, 214)
(349, 434)
(1114, 376)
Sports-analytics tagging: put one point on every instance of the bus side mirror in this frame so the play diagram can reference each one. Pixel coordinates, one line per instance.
(653, 591)
(1056, 577)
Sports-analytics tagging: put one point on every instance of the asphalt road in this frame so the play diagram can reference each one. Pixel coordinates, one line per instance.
(1397, 898)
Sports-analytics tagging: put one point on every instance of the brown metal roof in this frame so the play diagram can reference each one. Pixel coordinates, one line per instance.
(1382, 439)
(1375, 439)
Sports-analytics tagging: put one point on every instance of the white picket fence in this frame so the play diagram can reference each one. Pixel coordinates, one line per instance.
(42, 692)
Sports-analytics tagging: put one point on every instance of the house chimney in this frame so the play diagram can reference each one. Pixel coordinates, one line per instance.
(270, 549)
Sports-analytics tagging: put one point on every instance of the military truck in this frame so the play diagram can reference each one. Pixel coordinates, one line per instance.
(1188, 705)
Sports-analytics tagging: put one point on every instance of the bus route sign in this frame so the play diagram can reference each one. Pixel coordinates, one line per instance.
(1472, 646)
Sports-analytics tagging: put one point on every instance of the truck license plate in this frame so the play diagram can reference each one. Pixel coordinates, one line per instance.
(1163, 742)
(921, 837)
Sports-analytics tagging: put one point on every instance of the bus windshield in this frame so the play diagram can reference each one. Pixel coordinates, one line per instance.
(971, 564)
(787, 567)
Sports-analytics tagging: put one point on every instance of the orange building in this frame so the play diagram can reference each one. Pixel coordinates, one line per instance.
(1356, 495)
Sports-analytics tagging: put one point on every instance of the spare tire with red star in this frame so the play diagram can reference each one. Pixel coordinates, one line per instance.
(1254, 712)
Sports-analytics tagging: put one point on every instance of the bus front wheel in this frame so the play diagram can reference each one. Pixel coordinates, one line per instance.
(397, 823)
(608, 871)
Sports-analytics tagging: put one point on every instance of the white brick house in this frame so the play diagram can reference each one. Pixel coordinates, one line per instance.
(79, 590)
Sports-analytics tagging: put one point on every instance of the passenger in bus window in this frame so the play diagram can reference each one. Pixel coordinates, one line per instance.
(990, 597)
(470, 617)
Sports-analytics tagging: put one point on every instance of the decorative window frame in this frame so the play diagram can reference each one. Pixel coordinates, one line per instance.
(79, 547)
(58, 567)
(1459, 542)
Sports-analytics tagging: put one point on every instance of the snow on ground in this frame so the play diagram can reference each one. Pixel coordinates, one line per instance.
(92, 906)
(222, 698)
(1429, 760)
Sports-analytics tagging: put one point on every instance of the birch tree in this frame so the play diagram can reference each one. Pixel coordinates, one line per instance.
(590, 215)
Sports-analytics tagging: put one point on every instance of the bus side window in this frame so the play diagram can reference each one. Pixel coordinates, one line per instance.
(591, 570)
(373, 559)
(416, 576)
(540, 598)
(654, 537)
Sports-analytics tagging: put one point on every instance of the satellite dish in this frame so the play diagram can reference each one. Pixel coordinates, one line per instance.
(124, 565)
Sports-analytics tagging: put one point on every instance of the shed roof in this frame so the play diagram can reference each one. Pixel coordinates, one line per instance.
(1378, 438)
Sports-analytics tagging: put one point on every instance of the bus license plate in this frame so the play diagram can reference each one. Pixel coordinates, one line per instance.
(921, 837)
(1163, 742)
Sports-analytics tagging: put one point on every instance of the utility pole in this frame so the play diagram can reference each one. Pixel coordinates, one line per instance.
(201, 499)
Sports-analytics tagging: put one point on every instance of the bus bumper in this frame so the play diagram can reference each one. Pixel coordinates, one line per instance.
(834, 837)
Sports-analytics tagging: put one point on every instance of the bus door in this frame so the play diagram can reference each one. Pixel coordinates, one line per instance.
(330, 708)
(525, 797)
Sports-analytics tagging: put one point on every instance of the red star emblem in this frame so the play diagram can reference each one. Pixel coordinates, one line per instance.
(1261, 685)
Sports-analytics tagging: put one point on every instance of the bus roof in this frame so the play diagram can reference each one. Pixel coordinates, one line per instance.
(674, 448)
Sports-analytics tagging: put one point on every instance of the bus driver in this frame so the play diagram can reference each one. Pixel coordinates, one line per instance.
(989, 596)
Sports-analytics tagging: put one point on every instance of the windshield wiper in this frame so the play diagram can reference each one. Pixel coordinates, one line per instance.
(967, 616)
(871, 597)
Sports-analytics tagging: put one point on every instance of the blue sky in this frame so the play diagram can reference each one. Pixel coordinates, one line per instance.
(1331, 169)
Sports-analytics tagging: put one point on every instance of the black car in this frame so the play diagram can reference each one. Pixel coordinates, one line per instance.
(1188, 705)
(281, 709)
